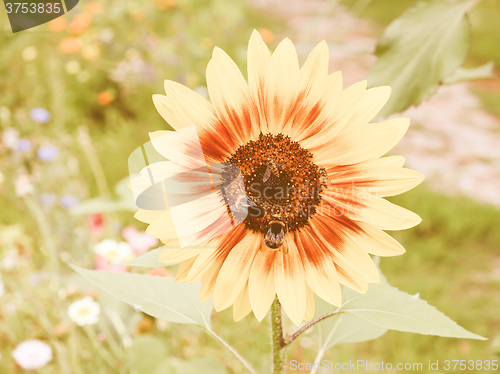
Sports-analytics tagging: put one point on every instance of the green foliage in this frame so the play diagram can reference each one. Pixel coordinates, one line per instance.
(344, 327)
(159, 297)
(419, 50)
(121, 200)
(466, 74)
(148, 259)
(389, 307)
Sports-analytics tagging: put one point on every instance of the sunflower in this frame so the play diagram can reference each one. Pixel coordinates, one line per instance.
(276, 187)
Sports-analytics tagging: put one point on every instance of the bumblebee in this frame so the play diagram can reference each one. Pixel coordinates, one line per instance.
(275, 235)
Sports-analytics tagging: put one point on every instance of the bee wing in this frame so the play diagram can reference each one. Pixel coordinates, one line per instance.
(267, 174)
(324, 176)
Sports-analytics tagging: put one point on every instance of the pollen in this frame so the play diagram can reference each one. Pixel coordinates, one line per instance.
(280, 183)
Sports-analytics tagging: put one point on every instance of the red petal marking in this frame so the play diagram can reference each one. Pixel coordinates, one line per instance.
(322, 236)
(335, 203)
(221, 226)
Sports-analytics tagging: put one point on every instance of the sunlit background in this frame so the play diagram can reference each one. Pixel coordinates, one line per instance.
(75, 101)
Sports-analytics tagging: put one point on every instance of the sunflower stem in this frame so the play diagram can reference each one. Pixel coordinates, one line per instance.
(278, 343)
(307, 326)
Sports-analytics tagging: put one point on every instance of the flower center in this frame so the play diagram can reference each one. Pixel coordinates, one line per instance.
(282, 186)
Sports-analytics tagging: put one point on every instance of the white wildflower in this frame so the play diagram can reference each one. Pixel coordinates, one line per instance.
(23, 185)
(32, 354)
(9, 138)
(113, 251)
(84, 311)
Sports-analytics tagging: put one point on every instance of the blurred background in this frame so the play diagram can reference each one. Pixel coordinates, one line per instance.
(76, 101)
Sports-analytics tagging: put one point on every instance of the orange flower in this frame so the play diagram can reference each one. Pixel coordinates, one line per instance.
(165, 4)
(267, 35)
(80, 23)
(58, 24)
(105, 98)
(70, 45)
(93, 7)
(139, 16)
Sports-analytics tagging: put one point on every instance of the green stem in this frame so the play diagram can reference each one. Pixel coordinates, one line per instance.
(46, 232)
(278, 343)
(232, 350)
(307, 326)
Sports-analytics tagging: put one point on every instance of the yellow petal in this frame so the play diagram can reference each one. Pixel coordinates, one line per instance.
(148, 216)
(359, 205)
(370, 104)
(209, 279)
(316, 92)
(242, 306)
(172, 255)
(281, 87)
(314, 72)
(234, 273)
(374, 177)
(261, 282)
(331, 237)
(162, 227)
(183, 270)
(230, 96)
(359, 143)
(310, 305)
(320, 273)
(377, 242)
(207, 259)
(258, 62)
(337, 110)
(182, 107)
(290, 282)
(183, 147)
(389, 161)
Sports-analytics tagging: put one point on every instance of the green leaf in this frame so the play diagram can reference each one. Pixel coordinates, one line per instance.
(419, 50)
(391, 308)
(347, 328)
(462, 74)
(159, 297)
(344, 327)
(148, 259)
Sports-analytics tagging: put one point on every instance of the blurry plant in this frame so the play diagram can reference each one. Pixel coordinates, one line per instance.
(2, 287)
